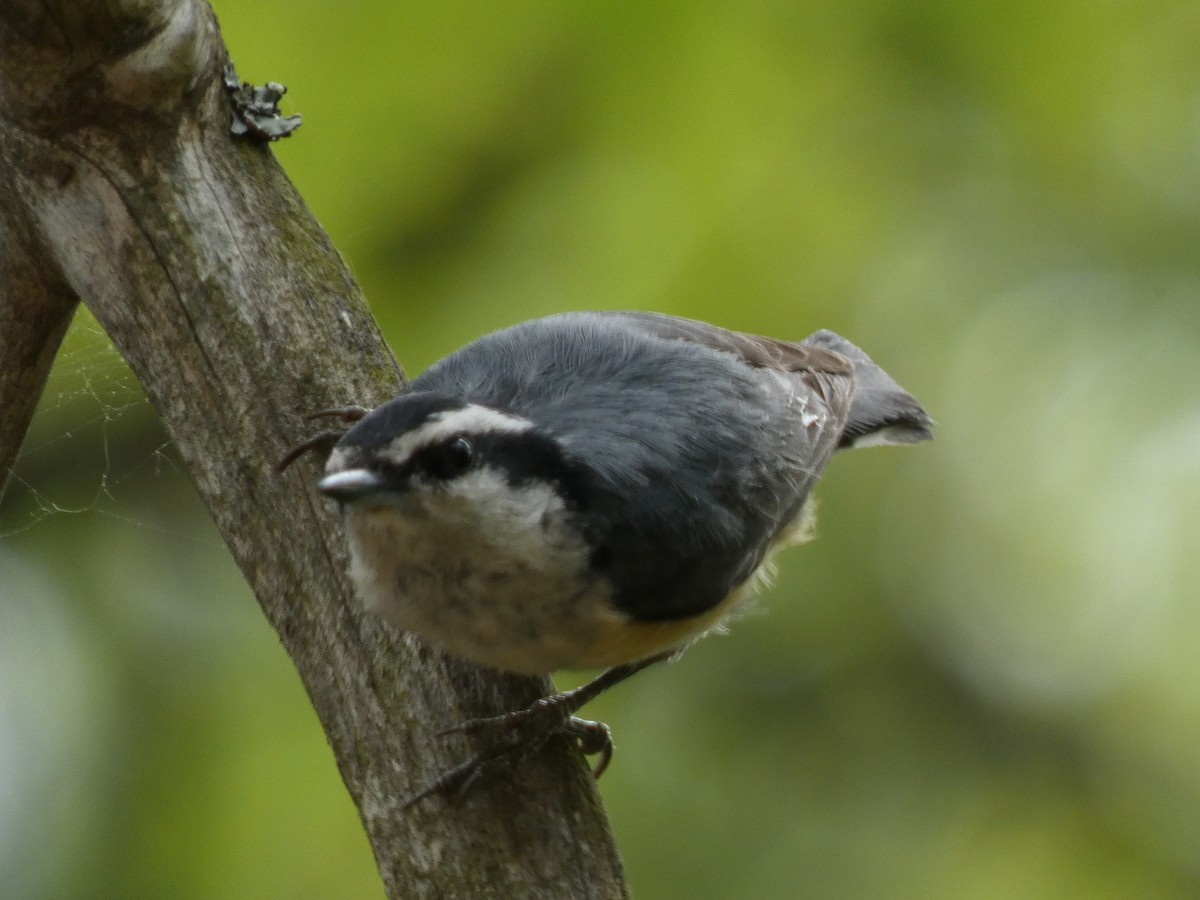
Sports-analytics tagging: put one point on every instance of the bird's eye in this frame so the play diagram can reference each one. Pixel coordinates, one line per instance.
(450, 459)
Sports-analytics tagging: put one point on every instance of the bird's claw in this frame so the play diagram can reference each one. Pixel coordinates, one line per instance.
(510, 737)
(326, 439)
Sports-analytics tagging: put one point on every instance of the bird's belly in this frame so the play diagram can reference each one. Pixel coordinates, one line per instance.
(530, 609)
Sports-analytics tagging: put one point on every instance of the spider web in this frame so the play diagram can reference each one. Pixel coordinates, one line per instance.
(94, 438)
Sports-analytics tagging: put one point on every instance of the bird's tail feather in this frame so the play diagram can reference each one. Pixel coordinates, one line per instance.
(882, 412)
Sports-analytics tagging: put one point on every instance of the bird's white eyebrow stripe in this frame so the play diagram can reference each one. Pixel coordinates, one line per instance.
(471, 419)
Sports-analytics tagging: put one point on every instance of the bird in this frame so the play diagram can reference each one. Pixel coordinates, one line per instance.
(593, 490)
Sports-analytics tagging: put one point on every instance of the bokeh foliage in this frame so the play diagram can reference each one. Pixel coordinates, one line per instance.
(983, 680)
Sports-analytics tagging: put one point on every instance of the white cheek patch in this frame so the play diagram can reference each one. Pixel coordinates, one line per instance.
(513, 516)
(468, 420)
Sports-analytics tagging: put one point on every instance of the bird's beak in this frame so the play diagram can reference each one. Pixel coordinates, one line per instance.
(350, 485)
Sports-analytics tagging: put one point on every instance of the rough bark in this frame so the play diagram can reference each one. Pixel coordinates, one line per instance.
(124, 189)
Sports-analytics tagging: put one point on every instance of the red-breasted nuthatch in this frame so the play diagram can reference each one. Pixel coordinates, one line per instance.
(596, 490)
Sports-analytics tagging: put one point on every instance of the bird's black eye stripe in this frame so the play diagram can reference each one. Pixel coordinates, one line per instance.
(519, 457)
(529, 457)
(447, 459)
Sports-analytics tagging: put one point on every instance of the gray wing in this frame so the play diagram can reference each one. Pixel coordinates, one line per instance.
(740, 495)
(736, 432)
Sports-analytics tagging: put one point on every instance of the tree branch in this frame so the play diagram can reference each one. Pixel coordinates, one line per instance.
(35, 310)
(125, 189)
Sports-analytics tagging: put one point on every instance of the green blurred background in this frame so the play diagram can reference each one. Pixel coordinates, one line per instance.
(983, 680)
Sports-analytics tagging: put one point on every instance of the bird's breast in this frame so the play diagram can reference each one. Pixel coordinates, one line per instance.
(512, 591)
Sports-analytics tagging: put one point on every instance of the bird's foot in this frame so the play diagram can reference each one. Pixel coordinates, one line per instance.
(511, 737)
(515, 735)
